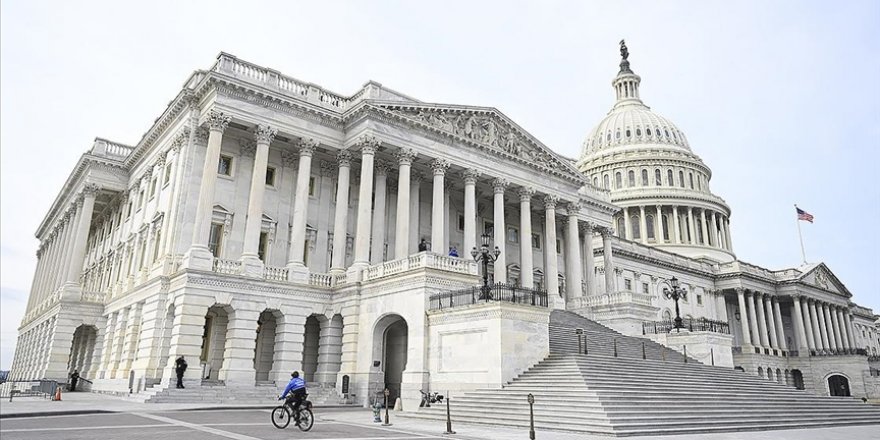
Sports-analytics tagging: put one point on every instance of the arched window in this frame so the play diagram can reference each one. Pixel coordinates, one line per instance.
(691, 178)
(681, 178)
(649, 227)
(605, 183)
(667, 315)
(665, 227)
(609, 136)
(658, 177)
(634, 223)
(631, 178)
(621, 229)
(628, 133)
(596, 182)
(669, 180)
(639, 132)
(617, 134)
(644, 177)
(648, 130)
(760, 372)
(618, 180)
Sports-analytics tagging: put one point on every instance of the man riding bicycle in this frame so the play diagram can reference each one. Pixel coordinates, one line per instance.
(297, 390)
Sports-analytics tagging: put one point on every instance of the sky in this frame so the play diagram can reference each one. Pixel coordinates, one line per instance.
(780, 99)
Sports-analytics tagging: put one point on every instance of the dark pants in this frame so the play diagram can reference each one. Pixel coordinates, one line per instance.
(180, 379)
(73, 385)
(295, 401)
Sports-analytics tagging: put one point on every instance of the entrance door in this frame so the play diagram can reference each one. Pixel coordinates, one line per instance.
(838, 386)
(395, 358)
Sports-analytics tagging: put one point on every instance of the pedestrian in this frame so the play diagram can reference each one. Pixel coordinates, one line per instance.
(453, 252)
(74, 378)
(423, 245)
(180, 368)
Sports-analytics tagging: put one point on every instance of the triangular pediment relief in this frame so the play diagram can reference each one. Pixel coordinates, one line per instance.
(822, 277)
(489, 129)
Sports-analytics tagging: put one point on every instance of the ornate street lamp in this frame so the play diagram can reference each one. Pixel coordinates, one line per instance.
(675, 294)
(484, 255)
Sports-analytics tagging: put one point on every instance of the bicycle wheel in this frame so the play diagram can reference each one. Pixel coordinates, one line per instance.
(306, 419)
(280, 417)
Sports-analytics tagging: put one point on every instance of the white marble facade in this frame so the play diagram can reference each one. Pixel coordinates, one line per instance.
(264, 225)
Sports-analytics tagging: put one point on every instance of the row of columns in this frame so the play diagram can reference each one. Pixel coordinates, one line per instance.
(761, 320)
(822, 327)
(714, 227)
(32, 351)
(121, 339)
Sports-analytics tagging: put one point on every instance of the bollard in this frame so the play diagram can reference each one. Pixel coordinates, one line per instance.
(712, 355)
(644, 355)
(663, 352)
(531, 400)
(615, 347)
(586, 350)
(448, 416)
(387, 420)
(685, 353)
(580, 335)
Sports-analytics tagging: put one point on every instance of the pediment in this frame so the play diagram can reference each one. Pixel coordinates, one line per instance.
(489, 129)
(820, 276)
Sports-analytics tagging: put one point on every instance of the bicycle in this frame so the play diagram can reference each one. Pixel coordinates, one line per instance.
(282, 414)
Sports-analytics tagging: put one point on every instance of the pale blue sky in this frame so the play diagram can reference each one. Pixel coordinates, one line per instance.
(781, 99)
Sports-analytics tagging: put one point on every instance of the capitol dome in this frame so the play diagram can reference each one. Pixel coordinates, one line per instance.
(662, 186)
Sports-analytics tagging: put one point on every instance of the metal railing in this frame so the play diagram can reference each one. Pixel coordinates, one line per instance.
(496, 292)
(839, 352)
(43, 388)
(693, 325)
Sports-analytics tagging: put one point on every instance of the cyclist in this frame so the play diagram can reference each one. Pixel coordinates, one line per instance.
(297, 390)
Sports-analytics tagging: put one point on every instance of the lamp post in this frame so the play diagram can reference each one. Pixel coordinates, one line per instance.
(484, 255)
(675, 294)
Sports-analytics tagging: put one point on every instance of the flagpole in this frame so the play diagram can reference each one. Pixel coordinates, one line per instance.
(800, 236)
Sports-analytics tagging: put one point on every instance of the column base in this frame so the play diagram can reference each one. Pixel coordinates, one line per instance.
(252, 266)
(198, 258)
(355, 273)
(71, 292)
(297, 273)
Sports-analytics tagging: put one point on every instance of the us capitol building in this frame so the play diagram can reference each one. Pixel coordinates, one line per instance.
(264, 224)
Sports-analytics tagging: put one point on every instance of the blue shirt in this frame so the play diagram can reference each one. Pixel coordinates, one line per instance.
(294, 384)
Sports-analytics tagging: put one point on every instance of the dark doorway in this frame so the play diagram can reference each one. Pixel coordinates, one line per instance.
(798, 378)
(838, 386)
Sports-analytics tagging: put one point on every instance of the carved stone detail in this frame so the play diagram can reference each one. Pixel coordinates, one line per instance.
(405, 156)
(470, 175)
(248, 148)
(439, 166)
(381, 167)
(369, 144)
(218, 121)
(550, 201)
(499, 185)
(307, 147)
(264, 134)
(288, 158)
(526, 193)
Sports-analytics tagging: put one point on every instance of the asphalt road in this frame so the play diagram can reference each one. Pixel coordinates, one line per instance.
(189, 425)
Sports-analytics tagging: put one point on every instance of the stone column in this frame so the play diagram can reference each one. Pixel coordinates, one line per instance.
(340, 215)
(329, 351)
(716, 240)
(691, 228)
(377, 246)
(808, 326)
(771, 321)
(744, 320)
(627, 225)
(753, 320)
(589, 259)
(439, 167)
(780, 330)
(829, 326)
(849, 329)
(573, 254)
(844, 329)
(402, 236)
(414, 209)
(500, 229)
(296, 268)
(369, 145)
(721, 306)
(676, 229)
(250, 259)
(762, 320)
(799, 331)
(85, 206)
(818, 327)
(835, 323)
(643, 225)
(199, 256)
(551, 269)
(608, 260)
(71, 228)
(470, 211)
(703, 228)
(526, 277)
(658, 225)
(727, 234)
(238, 356)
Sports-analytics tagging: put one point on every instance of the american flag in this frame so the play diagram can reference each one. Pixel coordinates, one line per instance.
(804, 215)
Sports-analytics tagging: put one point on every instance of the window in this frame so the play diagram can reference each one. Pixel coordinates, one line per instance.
(658, 177)
(628, 133)
(167, 176)
(558, 246)
(649, 226)
(681, 178)
(644, 177)
(634, 220)
(142, 199)
(699, 183)
(645, 288)
(461, 222)
(621, 227)
(512, 234)
(669, 180)
(158, 247)
(639, 132)
(536, 241)
(631, 178)
(270, 176)
(628, 284)
(618, 180)
(648, 131)
(311, 187)
(130, 208)
(605, 183)
(596, 182)
(263, 246)
(215, 239)
(665, 227)
(153, 185)
(224, 167)
(691, 178)
(699, 300)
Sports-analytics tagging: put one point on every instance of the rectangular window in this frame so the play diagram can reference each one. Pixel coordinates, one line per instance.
(224, 167)
(700, 300)
(645, 288)
(628, 285)
(167, 176)
(536, 241)
(215, 239)
(158, 242)
(142, 199)
(130, 208)
(558, 246)
(153, 185)
(512, 234)
(311, 186)
(263, 246)
(270, 176)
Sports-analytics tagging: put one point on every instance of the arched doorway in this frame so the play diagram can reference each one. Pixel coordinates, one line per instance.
(838, 386)
(798, 379)
(81, 349)
(214, 342)
(311, 342)
(390, 350)
(264, 348)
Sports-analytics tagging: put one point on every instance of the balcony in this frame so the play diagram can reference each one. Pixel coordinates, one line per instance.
(494, 293)
(692, 325)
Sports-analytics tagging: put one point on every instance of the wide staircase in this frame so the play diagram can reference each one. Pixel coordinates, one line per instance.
(216, 392)
(628, 395)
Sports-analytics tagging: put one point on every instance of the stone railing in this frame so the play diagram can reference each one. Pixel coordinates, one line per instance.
(93, 297)
(275, 273)
(322, 279)
(422, 260)
(690, 324)
(606, 299)
(228, 267)
(272, 79)
(103, 147)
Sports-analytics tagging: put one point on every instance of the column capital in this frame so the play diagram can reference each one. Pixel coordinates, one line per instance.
(573, 208)
(587, 227)
(470, 176)
(264, 134)
(160, 158)
(343, 158)
(405, 156)
(739, 290)
(499, 185)
(248, 148)
(369, 144)
(526, 193)
(381, 167)
(550, 201)
(605, 232)
(439, 166)
(180, 139)
(218, 121)
(307, 147)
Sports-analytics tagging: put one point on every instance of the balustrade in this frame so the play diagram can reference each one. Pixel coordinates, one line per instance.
(275, 273)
